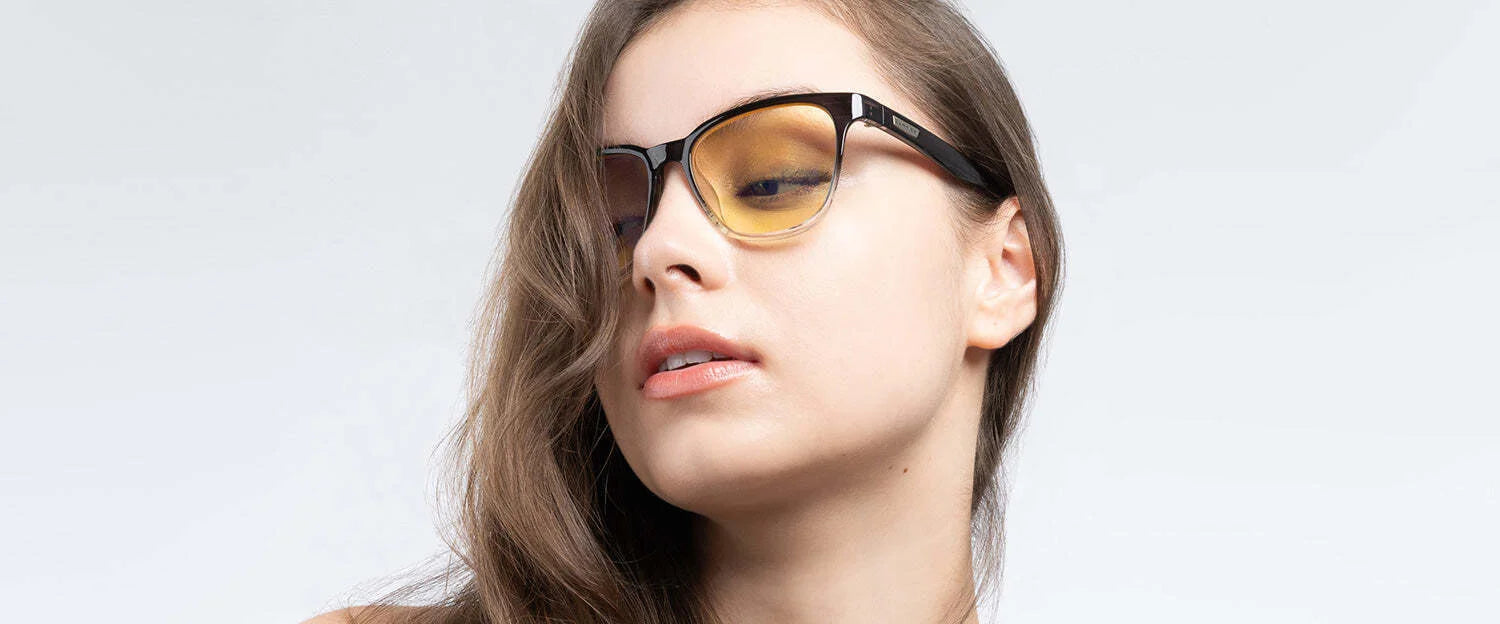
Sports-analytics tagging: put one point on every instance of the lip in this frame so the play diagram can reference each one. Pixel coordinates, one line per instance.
(659, 342)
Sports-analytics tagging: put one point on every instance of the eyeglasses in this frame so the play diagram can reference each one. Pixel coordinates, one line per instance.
(765, 170)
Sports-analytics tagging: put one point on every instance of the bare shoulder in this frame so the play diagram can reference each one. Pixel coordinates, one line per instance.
(390, 615)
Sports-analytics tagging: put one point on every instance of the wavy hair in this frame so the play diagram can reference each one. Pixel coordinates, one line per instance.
(551, 525)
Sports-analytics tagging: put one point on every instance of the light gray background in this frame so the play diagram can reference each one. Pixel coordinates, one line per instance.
(242, 243)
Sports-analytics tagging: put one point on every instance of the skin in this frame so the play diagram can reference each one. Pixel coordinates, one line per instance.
(833, 484)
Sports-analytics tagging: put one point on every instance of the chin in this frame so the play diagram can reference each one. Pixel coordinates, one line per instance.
(705, 467)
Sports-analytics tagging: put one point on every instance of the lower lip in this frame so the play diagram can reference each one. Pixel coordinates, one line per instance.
(694, 379)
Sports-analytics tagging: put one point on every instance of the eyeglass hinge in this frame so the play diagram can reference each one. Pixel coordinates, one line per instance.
(868, 108)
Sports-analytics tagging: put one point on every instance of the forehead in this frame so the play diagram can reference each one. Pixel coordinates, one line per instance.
(701, 59)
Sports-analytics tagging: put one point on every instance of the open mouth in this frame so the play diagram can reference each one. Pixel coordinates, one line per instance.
(689, 360)
(694, 377)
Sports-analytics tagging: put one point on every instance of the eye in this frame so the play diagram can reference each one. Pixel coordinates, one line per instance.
(629, 226)
(784, 185)
(763, 187)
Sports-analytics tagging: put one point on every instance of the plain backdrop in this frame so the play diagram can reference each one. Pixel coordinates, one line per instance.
(242, 243)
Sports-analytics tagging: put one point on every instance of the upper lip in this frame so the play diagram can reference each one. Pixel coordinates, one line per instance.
(660, 342)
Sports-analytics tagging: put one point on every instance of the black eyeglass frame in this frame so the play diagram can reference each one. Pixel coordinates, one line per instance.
(845, 108)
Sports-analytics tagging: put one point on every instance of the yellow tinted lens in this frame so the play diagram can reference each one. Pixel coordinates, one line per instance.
(767, 170)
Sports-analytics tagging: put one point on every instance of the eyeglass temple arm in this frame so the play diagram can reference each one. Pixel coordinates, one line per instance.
(912, 134)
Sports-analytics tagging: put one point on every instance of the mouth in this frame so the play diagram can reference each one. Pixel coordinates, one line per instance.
(680, 361)
(685, 359)
(695, 378)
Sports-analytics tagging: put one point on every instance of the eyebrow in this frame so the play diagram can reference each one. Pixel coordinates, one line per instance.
(768, 93)
(755, 97)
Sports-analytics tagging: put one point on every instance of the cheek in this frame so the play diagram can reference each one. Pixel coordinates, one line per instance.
(873, 315)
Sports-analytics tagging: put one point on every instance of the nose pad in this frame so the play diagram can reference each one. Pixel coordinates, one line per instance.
(710, 197)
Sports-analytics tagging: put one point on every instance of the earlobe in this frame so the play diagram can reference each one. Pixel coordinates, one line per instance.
(1005, 303)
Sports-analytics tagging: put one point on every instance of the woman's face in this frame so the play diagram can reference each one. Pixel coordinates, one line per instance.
(859, 322)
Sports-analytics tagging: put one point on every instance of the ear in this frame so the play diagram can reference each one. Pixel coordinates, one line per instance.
(1003, 278)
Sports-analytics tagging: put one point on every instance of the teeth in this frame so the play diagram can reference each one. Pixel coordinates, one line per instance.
(681, 360)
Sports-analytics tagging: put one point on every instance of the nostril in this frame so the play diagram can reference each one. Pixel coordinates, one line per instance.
(691, 272)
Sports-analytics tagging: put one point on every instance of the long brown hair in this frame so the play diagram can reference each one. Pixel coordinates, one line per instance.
(551, 524)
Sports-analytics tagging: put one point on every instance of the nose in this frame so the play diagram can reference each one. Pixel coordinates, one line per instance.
(680, 248)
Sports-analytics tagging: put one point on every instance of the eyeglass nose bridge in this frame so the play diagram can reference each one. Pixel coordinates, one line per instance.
(656, 158)
(661, 154)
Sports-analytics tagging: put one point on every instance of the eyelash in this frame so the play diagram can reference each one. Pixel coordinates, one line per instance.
(804, 181)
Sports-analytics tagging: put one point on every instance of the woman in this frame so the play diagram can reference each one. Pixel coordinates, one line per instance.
(766, 373)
